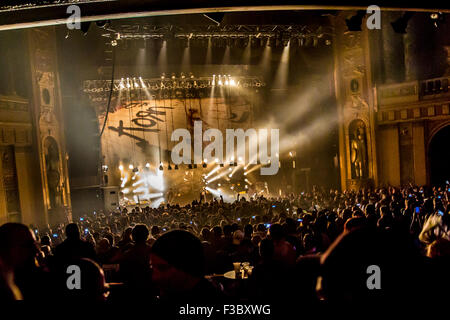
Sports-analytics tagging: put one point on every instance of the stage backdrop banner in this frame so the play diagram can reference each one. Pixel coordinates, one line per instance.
(139, 132)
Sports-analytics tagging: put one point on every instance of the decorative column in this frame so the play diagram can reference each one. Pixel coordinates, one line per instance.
(49, 124)
(355, 101)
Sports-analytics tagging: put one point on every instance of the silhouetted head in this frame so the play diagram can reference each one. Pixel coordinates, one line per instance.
(177, 258)
(18, 246)
(140, 233)
(85, 279)
(72, 231)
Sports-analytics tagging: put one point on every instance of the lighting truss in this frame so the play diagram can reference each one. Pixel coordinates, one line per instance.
(156, 85)
(126, 32)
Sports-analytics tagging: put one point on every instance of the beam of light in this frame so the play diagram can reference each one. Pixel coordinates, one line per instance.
(126, 190)
(138, 182)
(246, 180)
(220, 175)
(149, 196)
(266, 57)
(236, 169)
(306, 135)
(247, 52)
(281, 77)
(226, 56)
(140, 190)
(186, 60)
(209, 52)
(124, 181)
(212, 172)
(142, 83)
(157, 203)
(162, 57)
(253, 169)
(121, 167)
(217, 193)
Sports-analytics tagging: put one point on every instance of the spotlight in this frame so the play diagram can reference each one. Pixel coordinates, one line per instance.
(437, 18)
(147, 165)
(121, 167)
(131, 166)
(355, 22)
(163, 76)
(401, 23)
(173, 76)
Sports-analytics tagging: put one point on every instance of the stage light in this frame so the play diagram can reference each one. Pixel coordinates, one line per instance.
(121, 167)
(246, 186)
(133, 178)
(245, 173)
(131, 167)
(229, 169)
(217, 160)
(173, 76)
(113, 43)
(219, 184)
(355, 22)
(230, 175)
(401, 23)
(147, 165)
(163, 76)
(437, 17)
(191, 75)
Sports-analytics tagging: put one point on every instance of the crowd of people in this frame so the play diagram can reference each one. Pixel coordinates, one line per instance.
(308, 248)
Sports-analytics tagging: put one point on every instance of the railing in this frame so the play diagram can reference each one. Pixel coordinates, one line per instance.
(413, 91)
